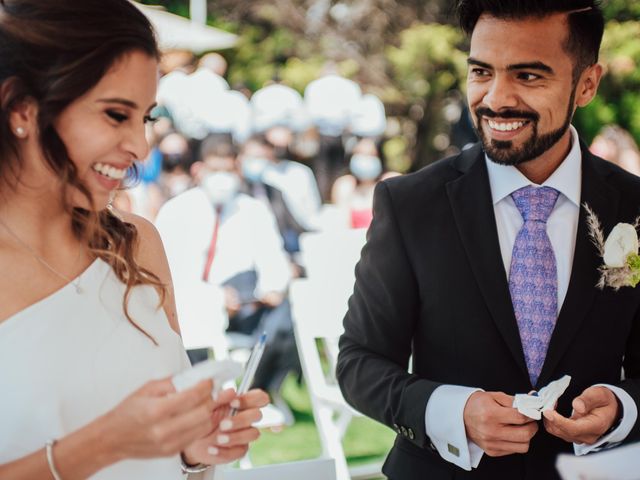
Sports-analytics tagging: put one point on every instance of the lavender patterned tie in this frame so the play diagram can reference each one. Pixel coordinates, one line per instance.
(533, 278)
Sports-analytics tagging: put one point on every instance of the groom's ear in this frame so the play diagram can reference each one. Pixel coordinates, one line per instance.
(588, 85)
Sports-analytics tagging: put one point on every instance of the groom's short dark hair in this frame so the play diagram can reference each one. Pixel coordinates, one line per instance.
(585, 20)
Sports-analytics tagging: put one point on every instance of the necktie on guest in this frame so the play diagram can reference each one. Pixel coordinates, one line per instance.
(533, 276)
(211, 253)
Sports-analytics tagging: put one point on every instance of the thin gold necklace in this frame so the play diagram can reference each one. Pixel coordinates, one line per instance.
(75, 283)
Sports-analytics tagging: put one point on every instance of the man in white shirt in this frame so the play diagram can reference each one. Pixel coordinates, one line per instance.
(294, 179)
(490, 285)
(213, 233)
(264, 181)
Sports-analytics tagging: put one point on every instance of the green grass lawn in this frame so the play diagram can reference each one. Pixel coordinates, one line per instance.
(365, 440)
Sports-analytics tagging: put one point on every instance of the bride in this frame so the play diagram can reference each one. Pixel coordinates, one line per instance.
(88, 331)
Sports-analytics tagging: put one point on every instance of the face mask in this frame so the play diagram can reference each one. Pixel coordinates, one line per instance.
(365, 167)
(253, 168)
(221, 187)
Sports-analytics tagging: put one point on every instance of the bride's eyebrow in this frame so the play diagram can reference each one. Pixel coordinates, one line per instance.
(125, 102)
(120, 101)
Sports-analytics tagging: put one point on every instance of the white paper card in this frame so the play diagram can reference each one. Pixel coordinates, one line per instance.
(221, 371)
(532, 405)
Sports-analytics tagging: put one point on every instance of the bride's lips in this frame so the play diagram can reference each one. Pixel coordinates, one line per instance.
(110, 175)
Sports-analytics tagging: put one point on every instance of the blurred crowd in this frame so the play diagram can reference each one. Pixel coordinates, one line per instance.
(233, 180)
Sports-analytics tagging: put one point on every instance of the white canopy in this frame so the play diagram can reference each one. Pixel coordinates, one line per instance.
(278, 105)
(368, 119)
(178, 33)
(331, 102)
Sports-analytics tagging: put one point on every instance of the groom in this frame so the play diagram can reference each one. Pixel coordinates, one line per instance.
(480, 269)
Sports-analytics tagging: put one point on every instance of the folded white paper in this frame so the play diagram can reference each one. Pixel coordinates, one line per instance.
(221, 371)
(532, 405)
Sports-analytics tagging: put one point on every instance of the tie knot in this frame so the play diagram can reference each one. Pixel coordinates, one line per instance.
(535, 203)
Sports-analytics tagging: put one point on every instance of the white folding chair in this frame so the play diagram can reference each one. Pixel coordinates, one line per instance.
(330, 258)
(317, 316)
(202, 316)
(319, 305)
(332, 254)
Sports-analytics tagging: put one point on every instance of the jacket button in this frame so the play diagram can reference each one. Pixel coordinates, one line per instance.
(396, 428)
(411, 434)
(403, 430)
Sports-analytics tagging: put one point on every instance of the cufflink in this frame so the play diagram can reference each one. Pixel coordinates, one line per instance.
(453, 450)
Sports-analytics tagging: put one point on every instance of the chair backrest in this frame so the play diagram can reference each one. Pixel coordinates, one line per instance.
(330, 258)
(202, 316)
(315, 317)
(332, 255)
(317, 469)
(317, 314)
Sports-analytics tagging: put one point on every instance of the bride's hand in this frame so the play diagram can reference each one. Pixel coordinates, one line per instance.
(230, 439)
(155, 421)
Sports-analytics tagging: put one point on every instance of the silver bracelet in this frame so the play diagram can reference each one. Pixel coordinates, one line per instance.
(52, 466)
(200, 467)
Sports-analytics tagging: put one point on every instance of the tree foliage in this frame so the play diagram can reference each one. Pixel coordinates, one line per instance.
(428, 63)
(618, 99)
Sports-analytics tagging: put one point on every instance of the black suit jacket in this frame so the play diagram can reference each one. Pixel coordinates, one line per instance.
(431, 283)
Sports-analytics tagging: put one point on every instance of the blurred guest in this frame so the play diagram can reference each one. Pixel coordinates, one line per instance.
(294, 179)
(215, 62)
(331, 101)
(145, 197)
(176, 165)
(616, 145)
(176, 60)
(354, 192)
(215, 233)
(278, 113)
(257, 159)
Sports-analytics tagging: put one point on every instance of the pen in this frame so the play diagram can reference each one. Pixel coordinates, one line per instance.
(252, 366)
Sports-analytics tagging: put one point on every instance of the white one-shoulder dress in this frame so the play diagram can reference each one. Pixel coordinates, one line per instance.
(71, 357)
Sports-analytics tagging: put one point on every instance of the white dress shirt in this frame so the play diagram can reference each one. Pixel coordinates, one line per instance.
(248, 239)
(444, 413)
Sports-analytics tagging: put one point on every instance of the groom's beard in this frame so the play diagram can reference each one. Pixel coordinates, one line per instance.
(503, 152)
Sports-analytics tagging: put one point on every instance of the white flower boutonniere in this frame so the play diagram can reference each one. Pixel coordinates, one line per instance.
(619, 252)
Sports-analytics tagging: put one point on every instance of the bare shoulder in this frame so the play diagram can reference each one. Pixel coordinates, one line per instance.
(150, 255)
(150, 248)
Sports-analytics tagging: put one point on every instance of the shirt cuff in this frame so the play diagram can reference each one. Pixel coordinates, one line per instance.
(444, 422)
(628, 420)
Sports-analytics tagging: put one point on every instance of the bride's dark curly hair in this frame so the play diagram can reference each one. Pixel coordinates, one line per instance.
(55, 51)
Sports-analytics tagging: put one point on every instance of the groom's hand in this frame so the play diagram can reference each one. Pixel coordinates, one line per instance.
(594, 412)
(495, 426)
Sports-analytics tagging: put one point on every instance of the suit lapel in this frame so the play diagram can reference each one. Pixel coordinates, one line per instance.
(603, 200)
(470, 199)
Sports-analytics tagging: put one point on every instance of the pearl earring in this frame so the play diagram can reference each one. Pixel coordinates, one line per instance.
(20, 132)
